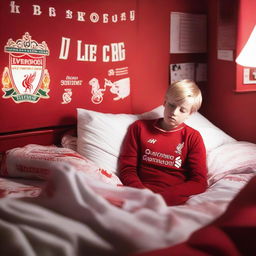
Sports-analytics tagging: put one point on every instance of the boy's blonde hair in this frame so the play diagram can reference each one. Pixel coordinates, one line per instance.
(183, 89)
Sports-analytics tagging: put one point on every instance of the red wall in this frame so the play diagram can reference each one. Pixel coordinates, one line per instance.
(146, 39)
(147, 45)
(148, 60)
(232, 111)
(153, 49)
(48, 21)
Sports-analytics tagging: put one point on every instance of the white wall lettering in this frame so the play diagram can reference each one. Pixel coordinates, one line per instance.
(64, 49)
(86, 53)
(80, 16)
(52, 12)
(36, 9)
(14, 7)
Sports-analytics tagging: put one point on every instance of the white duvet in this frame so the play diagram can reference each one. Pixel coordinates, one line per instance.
(77, 215)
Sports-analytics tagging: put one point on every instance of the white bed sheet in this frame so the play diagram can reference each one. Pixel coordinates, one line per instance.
(73, 217)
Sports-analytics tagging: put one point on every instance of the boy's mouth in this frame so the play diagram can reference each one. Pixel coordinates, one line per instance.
(171, 118)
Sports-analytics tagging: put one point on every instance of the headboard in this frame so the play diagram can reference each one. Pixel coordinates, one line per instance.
(43, 136)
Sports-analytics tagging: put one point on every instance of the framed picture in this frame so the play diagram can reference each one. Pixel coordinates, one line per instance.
(248, 82)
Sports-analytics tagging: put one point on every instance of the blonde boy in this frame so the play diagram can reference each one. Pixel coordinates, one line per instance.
(165, 155)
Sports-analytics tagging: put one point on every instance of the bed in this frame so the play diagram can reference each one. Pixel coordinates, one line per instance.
(68, 199)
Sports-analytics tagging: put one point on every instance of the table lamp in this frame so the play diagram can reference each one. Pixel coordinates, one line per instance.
(247, 56)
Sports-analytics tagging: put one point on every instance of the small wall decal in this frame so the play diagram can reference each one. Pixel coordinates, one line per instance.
(97, 92)
(121, 88)
(66, 96)
(118, 71)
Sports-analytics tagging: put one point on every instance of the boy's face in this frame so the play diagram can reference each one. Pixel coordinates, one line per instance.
(175, 113)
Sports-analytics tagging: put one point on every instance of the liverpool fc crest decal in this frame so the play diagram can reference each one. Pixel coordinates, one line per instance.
(26, 79)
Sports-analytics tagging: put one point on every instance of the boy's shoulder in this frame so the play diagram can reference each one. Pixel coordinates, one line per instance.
(191, 131)
(143, 122)
(189, 128)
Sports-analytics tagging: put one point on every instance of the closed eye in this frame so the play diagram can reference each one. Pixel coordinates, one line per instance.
(171, 105)
(183, 110)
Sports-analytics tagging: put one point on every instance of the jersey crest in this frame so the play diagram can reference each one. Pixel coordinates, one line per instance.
(179, 148)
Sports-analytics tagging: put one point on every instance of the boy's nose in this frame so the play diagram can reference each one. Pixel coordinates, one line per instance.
(175, 111)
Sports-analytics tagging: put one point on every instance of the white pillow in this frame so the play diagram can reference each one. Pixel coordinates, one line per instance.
(100, 135)
(213, 136)
(231, 158)
(37, 161)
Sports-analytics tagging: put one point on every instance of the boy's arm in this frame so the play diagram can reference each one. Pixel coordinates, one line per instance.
(128, 159)
(197, 180)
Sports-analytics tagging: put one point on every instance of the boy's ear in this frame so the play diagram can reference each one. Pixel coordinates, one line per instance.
(191, 112)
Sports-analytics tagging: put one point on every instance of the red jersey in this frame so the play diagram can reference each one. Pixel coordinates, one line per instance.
(171, 163)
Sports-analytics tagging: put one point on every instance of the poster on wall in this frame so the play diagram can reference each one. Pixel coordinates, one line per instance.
(226, 29)
(179, 71)
(249, 76)
(59, 55)
(184, 31)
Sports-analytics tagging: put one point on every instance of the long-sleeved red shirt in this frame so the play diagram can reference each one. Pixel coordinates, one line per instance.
(171, 163)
